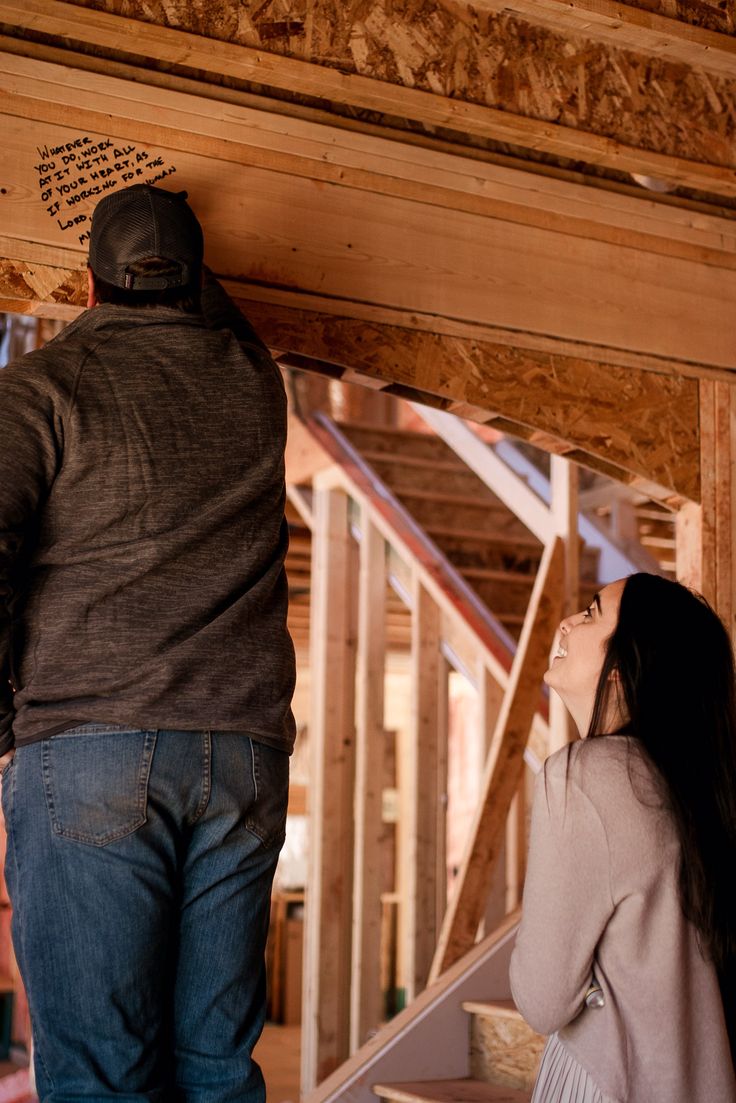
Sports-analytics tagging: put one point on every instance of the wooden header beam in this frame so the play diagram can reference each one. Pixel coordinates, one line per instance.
(505, 325)
(283, 203)
(576, 412)
(84, 26)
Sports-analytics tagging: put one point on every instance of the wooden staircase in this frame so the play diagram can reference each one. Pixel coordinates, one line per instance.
(471, 527)
(504, 1058)
(479, 590)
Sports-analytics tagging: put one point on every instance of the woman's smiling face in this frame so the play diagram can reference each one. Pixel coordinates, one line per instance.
(576, 666)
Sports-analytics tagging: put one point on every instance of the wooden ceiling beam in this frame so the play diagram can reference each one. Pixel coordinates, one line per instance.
(565, 405)
(476, 251)
(48, 92)
(79, 25)
(628, 28)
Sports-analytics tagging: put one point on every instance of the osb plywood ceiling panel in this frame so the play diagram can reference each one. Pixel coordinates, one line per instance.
(452, 48)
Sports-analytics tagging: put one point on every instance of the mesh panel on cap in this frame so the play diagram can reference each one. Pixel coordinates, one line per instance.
(139, 222)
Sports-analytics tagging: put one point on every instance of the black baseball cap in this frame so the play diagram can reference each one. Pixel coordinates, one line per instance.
(139, 222)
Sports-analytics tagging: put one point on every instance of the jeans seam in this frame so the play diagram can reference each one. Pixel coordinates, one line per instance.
(206, 776)
(254, 768)
(18, 911)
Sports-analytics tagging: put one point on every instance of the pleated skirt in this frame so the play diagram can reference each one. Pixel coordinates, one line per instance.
(562, 1080)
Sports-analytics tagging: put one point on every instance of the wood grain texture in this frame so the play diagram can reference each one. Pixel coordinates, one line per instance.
(450, 1091)
(504, 1050)
(505, 763)
(471, 58)
(544, 398)
(441, 241)
(328, 927)
(567, 405)
(424, 784)
(366, 996)
(718, 515)
(629, 27)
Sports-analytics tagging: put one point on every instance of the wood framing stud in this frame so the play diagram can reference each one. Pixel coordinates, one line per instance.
(718, 474)
(689, 545)
(564, 510)
(326, 1006)
(366, 996)
(505, 764)
(423, 784)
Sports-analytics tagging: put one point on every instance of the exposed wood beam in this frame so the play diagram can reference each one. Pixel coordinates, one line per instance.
(656, 452)
(62, 95)
(499, 272)
(505, 763)
(629, 28)
(565, 399)
(37, 278)
(225, 94)
(84, 26)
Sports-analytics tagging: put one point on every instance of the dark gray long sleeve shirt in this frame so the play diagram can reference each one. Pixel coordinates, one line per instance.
(142, 532)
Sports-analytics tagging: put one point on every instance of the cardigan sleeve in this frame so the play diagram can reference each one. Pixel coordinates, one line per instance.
(567, 898)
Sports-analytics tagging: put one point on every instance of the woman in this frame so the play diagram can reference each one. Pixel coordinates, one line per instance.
(627, 947)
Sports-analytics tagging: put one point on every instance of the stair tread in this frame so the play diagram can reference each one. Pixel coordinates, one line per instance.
(497, 537)
(489, 504)
(450, 1091)
(373, 455)
(505, 1008)
(493, 574)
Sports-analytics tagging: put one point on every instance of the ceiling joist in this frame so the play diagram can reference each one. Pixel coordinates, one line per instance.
(628, 28)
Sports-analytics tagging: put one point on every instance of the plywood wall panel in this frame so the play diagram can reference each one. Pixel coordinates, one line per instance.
(656, 437)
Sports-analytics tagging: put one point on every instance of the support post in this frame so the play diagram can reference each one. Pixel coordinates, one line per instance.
(506, 764)
(516, 847)
(718, 497)
(326, 1004)
(366, 997)
(564, 488)
(688, 545)
(424, 776)
(490, 702)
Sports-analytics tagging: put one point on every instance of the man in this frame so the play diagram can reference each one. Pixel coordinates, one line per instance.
(147, 671)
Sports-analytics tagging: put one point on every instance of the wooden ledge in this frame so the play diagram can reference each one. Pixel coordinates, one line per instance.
(450, 1091)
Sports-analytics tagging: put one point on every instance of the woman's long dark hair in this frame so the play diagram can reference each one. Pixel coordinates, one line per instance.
(671, 664)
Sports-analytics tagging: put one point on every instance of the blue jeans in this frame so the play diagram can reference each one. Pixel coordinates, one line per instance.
(139, 867)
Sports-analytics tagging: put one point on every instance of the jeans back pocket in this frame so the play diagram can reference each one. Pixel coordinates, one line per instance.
(96, 783)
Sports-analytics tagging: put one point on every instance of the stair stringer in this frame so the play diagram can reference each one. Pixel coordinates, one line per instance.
(429, 1040)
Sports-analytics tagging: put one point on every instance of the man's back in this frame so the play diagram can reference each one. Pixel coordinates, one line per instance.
(143, 621)
(155, 592)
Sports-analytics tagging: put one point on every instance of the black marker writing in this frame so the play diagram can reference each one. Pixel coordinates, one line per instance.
(85, 168)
